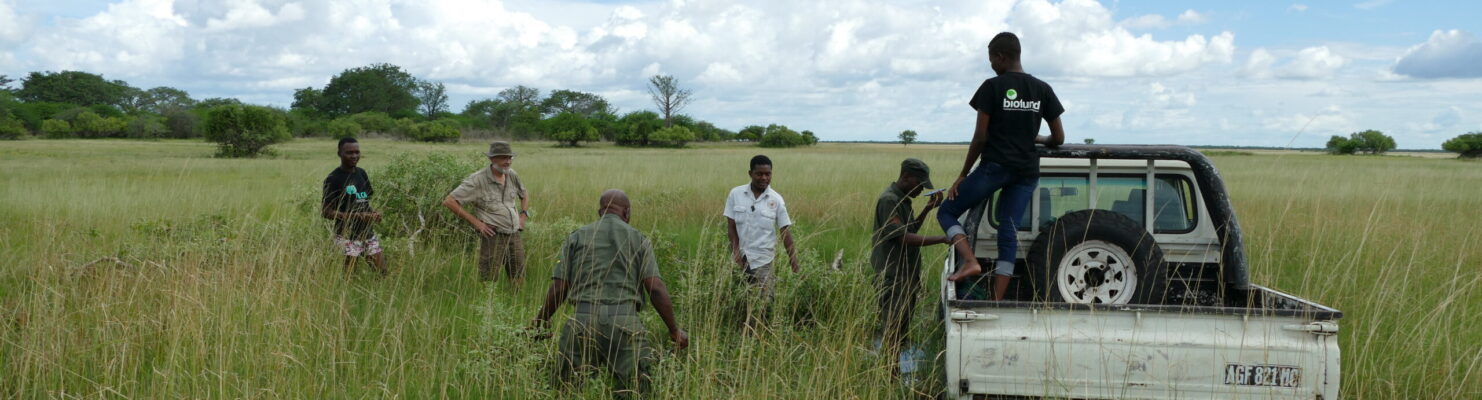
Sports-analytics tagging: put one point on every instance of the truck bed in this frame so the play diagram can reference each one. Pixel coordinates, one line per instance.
(1277, 347)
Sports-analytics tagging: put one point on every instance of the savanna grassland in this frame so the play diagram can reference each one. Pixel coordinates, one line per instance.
(149, 269)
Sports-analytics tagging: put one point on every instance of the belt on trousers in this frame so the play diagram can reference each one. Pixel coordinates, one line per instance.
(617, 308)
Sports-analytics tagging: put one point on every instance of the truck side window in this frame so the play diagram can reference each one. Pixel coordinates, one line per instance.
(1058, 195)
(1122, 195)
(1173, 205)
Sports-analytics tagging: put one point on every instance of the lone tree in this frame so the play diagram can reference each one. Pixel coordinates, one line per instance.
(668, 96)
(377, 87)
(243, 131)
(433, 97)
(907, 137)
(1467, 145)
(1089, 141)
(1369, 141)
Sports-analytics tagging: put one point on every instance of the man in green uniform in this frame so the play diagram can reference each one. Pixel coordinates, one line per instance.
(896, 251)
(603, 271)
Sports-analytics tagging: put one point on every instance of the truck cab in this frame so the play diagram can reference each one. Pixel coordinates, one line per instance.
(1131, 282)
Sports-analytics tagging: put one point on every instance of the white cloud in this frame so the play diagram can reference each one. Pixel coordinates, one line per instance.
(1323, 122)
(1297, 7)
(1443, 121)
(1150, 21)
(1312, 63)
(1317, 62)
(1447, 54)
(13, 28)
(1192, 17)
(1258, 64)
(131, 37)
(1371, 4)
(1079, 38)
(247, 14)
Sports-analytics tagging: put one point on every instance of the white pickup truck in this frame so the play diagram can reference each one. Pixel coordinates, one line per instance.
(1109, 303)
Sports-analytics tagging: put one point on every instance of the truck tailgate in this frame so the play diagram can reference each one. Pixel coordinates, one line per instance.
(1152, 352)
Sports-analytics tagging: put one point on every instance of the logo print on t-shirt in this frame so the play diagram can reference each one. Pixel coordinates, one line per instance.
(1011, 102)
(357, 194)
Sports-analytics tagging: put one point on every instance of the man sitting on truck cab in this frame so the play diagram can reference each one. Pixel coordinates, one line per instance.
(1010, 107)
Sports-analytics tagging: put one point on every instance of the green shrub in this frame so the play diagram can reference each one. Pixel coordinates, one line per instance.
(147, 127)
(56, 129)
(12, 128)
(410, 191)
(343, 128)
(442, 130)
(372, 121)
(32, 114)
(781, 136)
(1468, 145)
(571, 129)
(244, 131)
(674, 136)
(183, 124)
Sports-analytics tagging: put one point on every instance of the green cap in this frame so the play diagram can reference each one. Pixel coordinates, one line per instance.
(500, 149)
(918, 169)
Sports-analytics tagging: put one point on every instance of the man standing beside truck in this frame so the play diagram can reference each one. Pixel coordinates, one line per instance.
(1010, 107)
(895, 251)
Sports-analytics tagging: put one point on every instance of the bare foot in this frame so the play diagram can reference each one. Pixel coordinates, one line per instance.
(969, 269)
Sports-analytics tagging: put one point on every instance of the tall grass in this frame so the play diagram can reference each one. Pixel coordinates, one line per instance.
(150, 270)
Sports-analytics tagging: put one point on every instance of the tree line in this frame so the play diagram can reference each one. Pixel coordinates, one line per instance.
(375, 99)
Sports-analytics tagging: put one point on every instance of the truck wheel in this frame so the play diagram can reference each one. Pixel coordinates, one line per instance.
(1097, 256)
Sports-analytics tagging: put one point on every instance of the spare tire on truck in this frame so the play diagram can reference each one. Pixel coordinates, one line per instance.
(1097, 256)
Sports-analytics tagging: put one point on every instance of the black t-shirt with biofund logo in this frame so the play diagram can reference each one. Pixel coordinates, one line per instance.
(349, 192)
(1016, 102)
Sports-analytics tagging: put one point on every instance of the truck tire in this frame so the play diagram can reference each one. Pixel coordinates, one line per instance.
(1097, 256)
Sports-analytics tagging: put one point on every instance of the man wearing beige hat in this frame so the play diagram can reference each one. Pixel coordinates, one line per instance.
(499, 202)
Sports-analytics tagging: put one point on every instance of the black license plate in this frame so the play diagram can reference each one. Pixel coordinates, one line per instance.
(1262, 375)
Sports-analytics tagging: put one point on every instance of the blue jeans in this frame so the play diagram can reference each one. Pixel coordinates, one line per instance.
(1015, 192)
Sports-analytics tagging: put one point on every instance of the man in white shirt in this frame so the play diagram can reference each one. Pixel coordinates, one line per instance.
(754, 216)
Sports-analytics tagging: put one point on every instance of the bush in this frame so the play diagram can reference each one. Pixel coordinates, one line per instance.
(410, 192)
(146, 127)
(1369, 141)
(343, 128)
(183, 124)
(32, 114)
(442, 130)
(244, 131)
(12, 128)
(56, 129)
(372, 121)
(781, 136)
(674, 136)
(571, 129)
(1467, 145)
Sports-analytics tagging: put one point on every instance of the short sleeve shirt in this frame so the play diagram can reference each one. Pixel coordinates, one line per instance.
(757, 220)
(347, 192)
(888, 255)
(496, 204)
(606, 262)
(1016, 102)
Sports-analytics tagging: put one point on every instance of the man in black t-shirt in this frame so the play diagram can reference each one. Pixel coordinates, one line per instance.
(347, 193)
(1010, 107)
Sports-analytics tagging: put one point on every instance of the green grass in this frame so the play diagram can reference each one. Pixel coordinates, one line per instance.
(227, 287)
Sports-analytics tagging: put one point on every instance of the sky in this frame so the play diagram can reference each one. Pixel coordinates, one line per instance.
(1250, 73)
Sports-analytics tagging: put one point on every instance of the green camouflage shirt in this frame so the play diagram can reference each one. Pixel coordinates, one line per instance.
(887, 253)
(605, 262)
